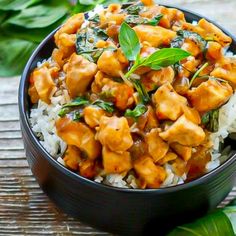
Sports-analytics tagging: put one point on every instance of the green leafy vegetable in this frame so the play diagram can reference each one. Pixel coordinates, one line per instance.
(77, 115)
(211, 120)
(38, 16)
(129, 42)
(14, 55)
(79, 101)
(95, 18)
(138, 20)
(16, 5)
(64, 111)
(135, 9)
(143, 94)
(197, 73)
(155, 21)
(139, 110)
(106, 106)
(216, 224)
(184, 34)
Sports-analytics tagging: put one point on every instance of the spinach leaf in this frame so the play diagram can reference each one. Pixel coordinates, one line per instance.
(129, 42)
(155, 20)
(14, 55)
(211, 120)
(184, 34)
(139, 110)
(143, 94)
(86, 43)
(38, 16)
(138, 20)
(197, 73)
(15, 5)
(216, 224)
(135, 9)
(64, 111)
(106, 106)
(79, 101)
(77, 115)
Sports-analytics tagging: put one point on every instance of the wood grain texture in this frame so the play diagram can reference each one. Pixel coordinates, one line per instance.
(24, 208)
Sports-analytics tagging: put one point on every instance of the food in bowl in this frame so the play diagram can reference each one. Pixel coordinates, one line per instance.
(135, 97)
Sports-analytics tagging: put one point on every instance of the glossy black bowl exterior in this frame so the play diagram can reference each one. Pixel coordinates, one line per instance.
(121, 211)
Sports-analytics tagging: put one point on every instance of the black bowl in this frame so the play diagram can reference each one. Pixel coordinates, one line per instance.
(120, 211)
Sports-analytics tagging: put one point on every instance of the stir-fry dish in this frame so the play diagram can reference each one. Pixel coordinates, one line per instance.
(131, 96)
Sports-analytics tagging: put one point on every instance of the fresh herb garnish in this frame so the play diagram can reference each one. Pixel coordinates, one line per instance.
(155, 20)
(138, 20)
(135, 9)
(139, 110)
(95, 18)
(106, 106)
(197, 73)
(79, 101)
(211, 120)
(143, 94)
(64, 111)
(77, 115)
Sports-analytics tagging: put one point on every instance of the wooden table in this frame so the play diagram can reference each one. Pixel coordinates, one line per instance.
(24, 208)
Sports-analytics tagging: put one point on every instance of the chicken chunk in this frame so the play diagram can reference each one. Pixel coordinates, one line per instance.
(149, 173)
(80, 73)
(115, 162)
(226, 69)
(183, 151)
(114, 133)
(157, 78)
(165, 99)
(184, 132)
(214, 51)
(78, 134)
(155, 35)
(210, 95)
(92, 115)
(43, 83)
(157, 148)
(112, 63)
(72, 157)
(87, 168)
(170, 156)
(71, 26)
(209, 32)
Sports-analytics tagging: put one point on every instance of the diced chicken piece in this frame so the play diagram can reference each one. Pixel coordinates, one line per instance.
(157, 148)
(87, 168)
(114, 133)
(165, 99)
(112, 62)
(180, 167)
(170, 156)
(119, 93)
(115, 162)
(184, 132)
(189, 66)
(34, 96)
(43, 83)
(214, 51)
(78, 134)
(157, 78)
(192, 114)
(155, 35)
(92, 115)
(149, 173)
(72, 157)
(183, 151)
(71, 26)
(226, 69)
(191, 46)
(148, 2)
(209, 32)
(80, 73)
(209, 95)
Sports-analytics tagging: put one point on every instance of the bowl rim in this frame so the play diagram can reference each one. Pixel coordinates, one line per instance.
(25, 127)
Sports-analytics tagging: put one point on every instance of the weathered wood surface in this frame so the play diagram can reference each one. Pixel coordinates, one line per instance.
(24, 208)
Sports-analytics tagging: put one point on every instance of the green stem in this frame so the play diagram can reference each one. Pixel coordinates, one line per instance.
(197, 73)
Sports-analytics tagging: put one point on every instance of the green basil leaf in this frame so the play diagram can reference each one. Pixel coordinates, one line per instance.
(143, 94)
(106, 106)
(129, 42)
(38, 16)
(64, 111)
(211, 120)
(3, 16)
(136, 20)
(139, 110)
(14, 55)
(135, 9)
(216, 224)
(165, 57)
(79, 101)
(16, 5)
(155, 20)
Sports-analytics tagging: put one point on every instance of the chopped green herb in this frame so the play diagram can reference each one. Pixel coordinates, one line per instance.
(63, 112)
(211, 120)
(138, 20)
(77, 115)
(155, 20)
(106, 106)
(135, 9)
(79, 101)
(139, 110)
(197, 73)
(143, 94)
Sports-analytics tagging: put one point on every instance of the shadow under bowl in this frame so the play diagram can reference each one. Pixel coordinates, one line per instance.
(120, 211)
